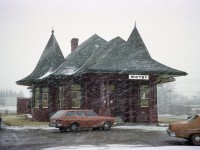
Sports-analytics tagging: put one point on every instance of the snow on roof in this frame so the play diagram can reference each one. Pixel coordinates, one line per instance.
(131, 57)
(96, 55)
(49, 61)
(78, 57)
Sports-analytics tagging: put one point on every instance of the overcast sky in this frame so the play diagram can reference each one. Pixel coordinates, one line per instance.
(169, 28)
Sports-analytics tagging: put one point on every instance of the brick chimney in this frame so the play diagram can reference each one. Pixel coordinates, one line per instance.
(74, 43)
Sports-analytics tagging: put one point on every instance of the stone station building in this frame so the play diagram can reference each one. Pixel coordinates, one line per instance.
(116, 77)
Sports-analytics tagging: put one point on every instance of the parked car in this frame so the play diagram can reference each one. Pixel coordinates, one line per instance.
(76, 119)
(189, 129)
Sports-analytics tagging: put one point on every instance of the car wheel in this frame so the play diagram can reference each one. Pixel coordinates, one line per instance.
(74, 127)
(106, 126)
(195, 139)
(62, 129)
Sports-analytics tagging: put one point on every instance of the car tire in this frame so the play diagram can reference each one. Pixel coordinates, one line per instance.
(195, 139)
(62, 129)
(74, 127)
(106, 126)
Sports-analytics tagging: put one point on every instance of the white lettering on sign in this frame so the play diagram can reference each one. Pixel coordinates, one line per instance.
(139, 77)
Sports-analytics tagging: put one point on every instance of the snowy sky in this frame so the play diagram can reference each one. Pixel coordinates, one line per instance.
(169, 28)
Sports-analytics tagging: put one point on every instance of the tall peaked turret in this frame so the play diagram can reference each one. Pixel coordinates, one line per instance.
(49, 61)
(135, 40)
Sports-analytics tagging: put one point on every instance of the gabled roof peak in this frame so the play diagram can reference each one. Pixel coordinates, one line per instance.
(117, 39)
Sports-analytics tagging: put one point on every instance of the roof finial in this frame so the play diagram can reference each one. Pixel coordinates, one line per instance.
(135, 24)
(52, 31)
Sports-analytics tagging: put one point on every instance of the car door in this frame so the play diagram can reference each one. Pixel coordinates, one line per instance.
(92, 119)
(82, 119)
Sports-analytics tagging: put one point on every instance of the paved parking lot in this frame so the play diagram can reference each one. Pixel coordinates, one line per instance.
(30, 139)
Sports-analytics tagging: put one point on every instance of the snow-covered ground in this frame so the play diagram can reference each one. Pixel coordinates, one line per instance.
(162, 128)
(184, 116)
(42, 127)
(111, 146)
(124, 147)
(9, 109)
(134, 127)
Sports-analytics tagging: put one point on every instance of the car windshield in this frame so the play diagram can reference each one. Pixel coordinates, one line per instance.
(193, 118)
(59, 113)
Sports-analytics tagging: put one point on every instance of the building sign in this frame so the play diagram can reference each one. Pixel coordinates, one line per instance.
(139, 77)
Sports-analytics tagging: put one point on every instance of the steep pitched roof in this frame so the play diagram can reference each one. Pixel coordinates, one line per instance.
(131, 57)
(101, 52)
(78, 57)
(135, 40)
(49, 61)
(95, 55)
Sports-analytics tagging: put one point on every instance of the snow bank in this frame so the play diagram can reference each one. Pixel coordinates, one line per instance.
(43, 127)
(143, 127)
(184, 116)
(124, 147)
(135, 127)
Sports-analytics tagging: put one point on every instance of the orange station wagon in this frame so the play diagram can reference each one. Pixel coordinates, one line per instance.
(76, 119)
(189, 129)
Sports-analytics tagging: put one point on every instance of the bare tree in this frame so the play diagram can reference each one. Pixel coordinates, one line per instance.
(165, 96)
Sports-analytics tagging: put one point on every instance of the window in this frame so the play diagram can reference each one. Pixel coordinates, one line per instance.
(76, 87)
(45, 97)
(37, 94)
(61, 97)
(110, 88)
(70, 113)
(75, 113)
(91, 113)
(144, 95)
(59, 113)
(76, 96)
(81, 113)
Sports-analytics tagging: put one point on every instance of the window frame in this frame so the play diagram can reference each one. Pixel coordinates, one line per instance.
(61, 97)
(37, 98)
(144, 95)
(76, 96)
(45, 97)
